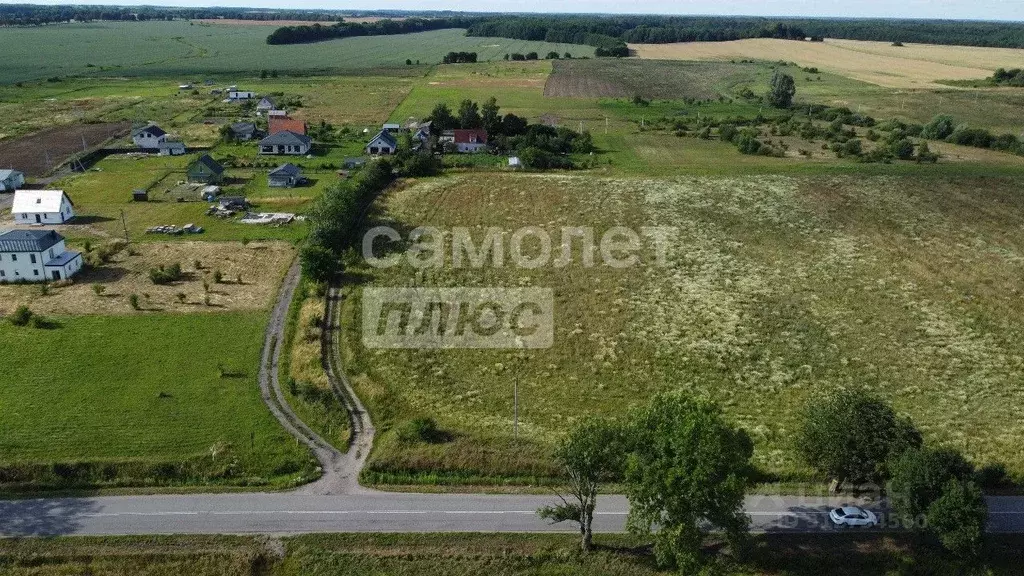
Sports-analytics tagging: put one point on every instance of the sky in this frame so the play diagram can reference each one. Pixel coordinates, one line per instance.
(955, 9)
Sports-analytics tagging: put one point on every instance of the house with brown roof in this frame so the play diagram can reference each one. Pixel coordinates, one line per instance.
(293, 125)
(470, 141)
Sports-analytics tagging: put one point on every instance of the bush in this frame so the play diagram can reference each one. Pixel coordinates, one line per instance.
(939, 128)
(133, 301)
(423, 430)
(165, 274)
(902, 149)
(217, 276)
(958, 518)
(991, 475)
(21, 316)
(966, 136)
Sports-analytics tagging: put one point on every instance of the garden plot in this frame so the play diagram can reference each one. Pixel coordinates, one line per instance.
(250, 274)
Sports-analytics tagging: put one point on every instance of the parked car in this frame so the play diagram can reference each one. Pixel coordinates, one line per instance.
(852, 516)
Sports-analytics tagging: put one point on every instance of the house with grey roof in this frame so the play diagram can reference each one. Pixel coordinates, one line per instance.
(285, 176)
(243, 131)
(168, 148)
(205, 170)
(383, 143)
(36, 256)
(11, 180)
(266, 104)
(149, 137)
(286, 142)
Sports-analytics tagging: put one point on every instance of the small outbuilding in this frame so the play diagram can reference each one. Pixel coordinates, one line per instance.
(11, 180)
(168, 148)
(140, 196)
(205, 170)
(210, 193)
(285, 176)
(233, 203)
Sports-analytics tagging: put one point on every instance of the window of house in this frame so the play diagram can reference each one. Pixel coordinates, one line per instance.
(35, 272)
(32, 257)
(2, 274)
(14, 257)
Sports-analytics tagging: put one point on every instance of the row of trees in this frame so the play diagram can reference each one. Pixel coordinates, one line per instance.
(317, 33)
(685, 470)
(24, 14)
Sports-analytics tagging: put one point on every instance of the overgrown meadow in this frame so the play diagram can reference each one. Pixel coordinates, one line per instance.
(777, 287)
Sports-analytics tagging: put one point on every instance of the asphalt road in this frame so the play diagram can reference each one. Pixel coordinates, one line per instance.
(290, 513)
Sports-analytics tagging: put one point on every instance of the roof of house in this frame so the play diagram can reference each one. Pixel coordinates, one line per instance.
(64, 258)
(266, 99)
(279, 124)
(32, 201)
(465, 136)
(28, 240)
(243, 127)
(152, 129)
(167, 144)
(5, 174)
(210, 163)
(286, 170)
(386, 137)
(286, 138)
(392, 126)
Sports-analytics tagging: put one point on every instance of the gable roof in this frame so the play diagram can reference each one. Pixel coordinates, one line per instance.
(279, 124)
(32, 201)
(243, 127)
(464, 136)
(286, 138)
(152, 129)
(286, 170)
(5, 174)
(266, 100)
(28, 240)
(387, 137)
(210, 163)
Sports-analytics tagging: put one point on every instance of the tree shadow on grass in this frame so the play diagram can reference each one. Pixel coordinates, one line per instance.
(52, 517)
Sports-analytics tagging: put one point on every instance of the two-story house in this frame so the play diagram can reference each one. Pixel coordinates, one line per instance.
(36, 256)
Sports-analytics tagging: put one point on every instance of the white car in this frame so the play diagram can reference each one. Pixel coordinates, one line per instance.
(852, 516)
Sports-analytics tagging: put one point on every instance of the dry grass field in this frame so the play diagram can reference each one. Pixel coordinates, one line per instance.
(259, 264)
(911, 66)
(777, 287)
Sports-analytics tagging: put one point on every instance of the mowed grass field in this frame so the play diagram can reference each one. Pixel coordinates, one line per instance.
(911, 66)
(777, 287)
(191, 48)
(151, 389)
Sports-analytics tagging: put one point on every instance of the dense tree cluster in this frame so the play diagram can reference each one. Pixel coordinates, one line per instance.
(459, 58)
(1011, 77)
(316, 32)
(26, 14)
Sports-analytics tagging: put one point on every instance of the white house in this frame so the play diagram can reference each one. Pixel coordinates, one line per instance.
(266, 104)
(237, 94)
(36, 256)
(149, 137)
(42, 207)
(11, 180)
(382, 143)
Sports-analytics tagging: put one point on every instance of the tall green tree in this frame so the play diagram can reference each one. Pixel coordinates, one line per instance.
(592, 453)
(469, 114)
(782, 90)
(918, 478)
(958, 518)
(686, 466)
(490, 116)
(850, 435)
(442, 119)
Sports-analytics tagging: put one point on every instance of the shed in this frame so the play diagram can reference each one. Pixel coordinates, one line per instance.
(171, 148)
(140, 196)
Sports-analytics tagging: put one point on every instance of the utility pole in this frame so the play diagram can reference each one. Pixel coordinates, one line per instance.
(515, 408)
(605, 124)
(125, 226)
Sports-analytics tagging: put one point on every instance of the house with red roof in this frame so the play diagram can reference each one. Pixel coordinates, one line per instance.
(293, 125)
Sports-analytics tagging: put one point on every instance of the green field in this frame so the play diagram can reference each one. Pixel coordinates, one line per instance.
(778, 286)
(470, 554)
(193, 49)
(140, 400)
